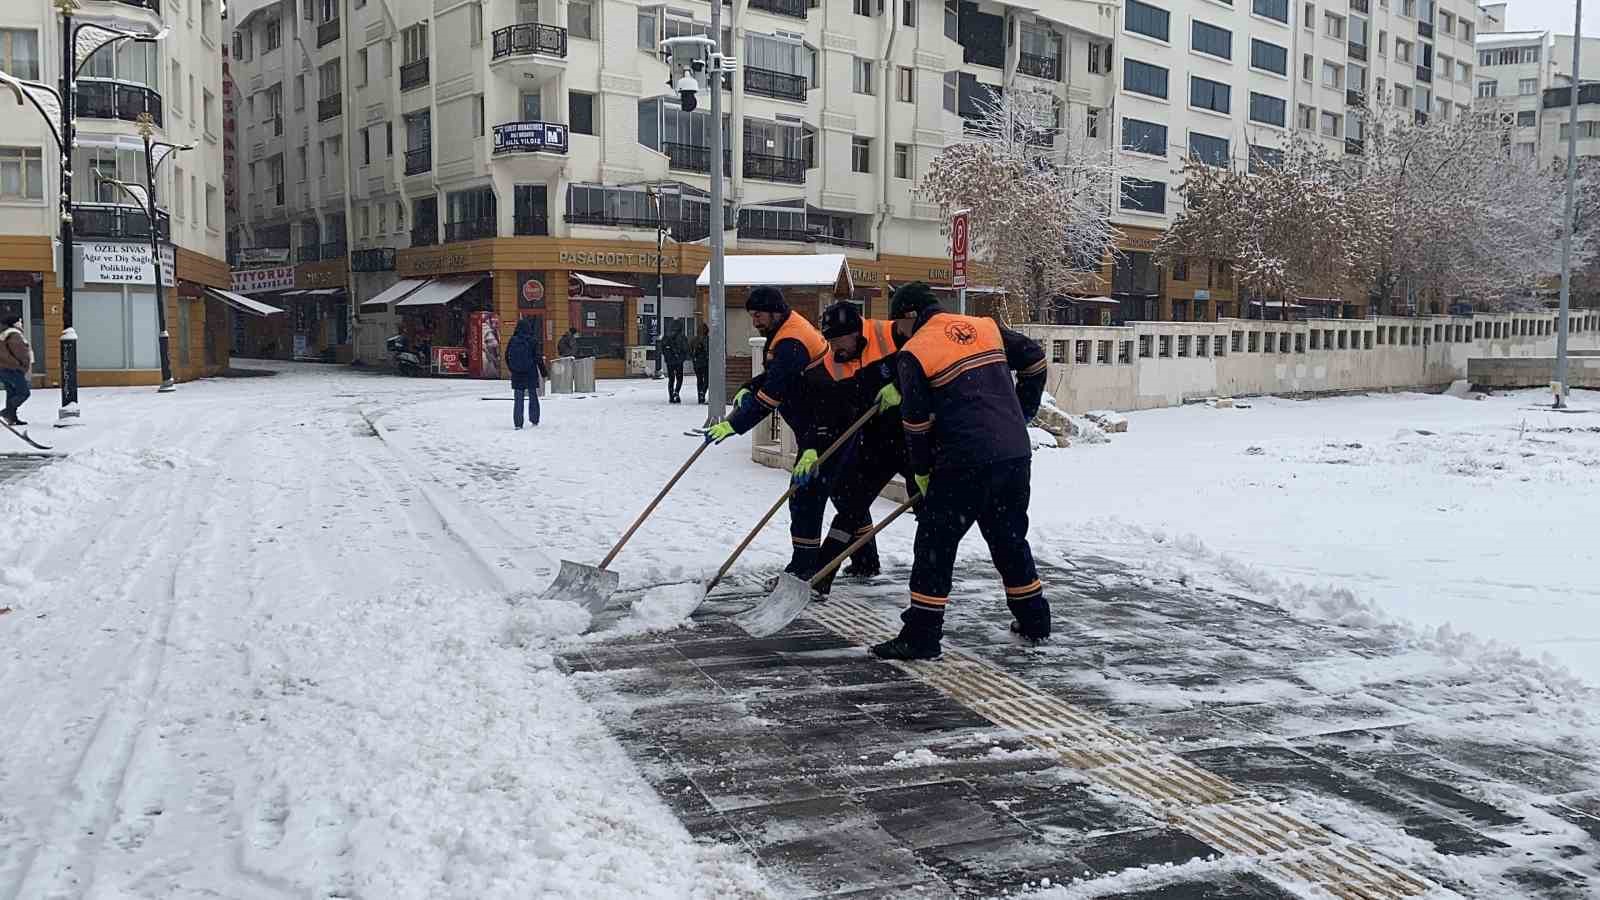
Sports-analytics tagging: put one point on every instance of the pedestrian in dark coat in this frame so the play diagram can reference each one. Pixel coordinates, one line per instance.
(700, 352)
(568, 345)
(525, 360)
(16, 358)
(674, 352)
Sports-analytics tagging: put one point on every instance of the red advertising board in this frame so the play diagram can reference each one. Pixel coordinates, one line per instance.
(958, 249)
(483, 345)
(450, 361)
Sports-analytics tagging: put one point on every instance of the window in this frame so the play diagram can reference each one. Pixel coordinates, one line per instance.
(1528, 86)
(363, 222)
(1144, 195)
(580, 112)
(1308, 16)
(1165, 342)
(1466, 32)
(1210, 150)
(860, 154)
(1276, 10)
(1408, 8)
(1091, 125)
(388, 138)
(21, 173)
(902, 160)
(1402, 50)
(1463, 71)
(1255, 342)
(1447, 22)
(908, 13)
(952, 91)
(174, 88)
(413, 43)
(1103, 353)
(861, 70)
(238, 45)
(1143, 78)
(1307, 65)
(1211, 40)
(1333, 26)
(905, 85)
(1099, 59)
(213, 208)
(1207, 94)
(299, 91)
(1266, 109)
(1151, 21)
(208, 105)
(1402, 96)
(361, 68)
(479, 118)
(1081, 352)
(1332, 76)
(649, 30)
(1525, 118)
(1260, 158)
(532, 107)
(580, 19)
(1125, 352)
(1146, 343)
(177, 193)
(475, 33)
(1238, 342)
(1268, 57)
(952, 20)
(1330, 124)
(1446, 67)
(328, 80)
(366, 146)
(1488, 88)
(1184, 341)
(1219, 346)
(863, 7)
(1305, 117)
(271, 35)
(1144, 137)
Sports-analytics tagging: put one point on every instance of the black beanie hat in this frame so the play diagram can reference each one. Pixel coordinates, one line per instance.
(910, 299)
(841, 319)
(765, 298)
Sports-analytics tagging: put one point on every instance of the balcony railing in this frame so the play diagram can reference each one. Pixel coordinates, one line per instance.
(530, 223)
(791, 170)
(327, 32)
(1358, 52)
(1354, 146)
(750, 232)
(779, 85)
(682, 229)
(425, 235)
(1361, 6)
(375, 259)
(308, 253)
(419, 160)
(691, 158)
(841, 241)
(99, 99)
(109, 220)
(530, 137)
(414, 74)
(1424, 75)
(335, 250)
(1425, 29)
(1354, 98)
(1045, 67)
(152, 5)
(795, 8)
(530, 38)
(328, 107)
(470, 230)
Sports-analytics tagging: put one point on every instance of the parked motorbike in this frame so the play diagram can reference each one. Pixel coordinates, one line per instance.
(408, 360)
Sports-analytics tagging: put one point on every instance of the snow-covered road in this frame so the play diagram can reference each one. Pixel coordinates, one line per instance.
(250, 657)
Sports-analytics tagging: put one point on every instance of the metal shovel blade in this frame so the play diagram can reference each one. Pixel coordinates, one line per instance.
(586, 586)
(771, 614)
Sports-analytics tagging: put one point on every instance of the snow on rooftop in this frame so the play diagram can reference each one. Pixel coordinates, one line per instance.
(1505, 38)
(782, 270)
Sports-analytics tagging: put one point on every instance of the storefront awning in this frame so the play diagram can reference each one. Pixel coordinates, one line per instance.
(326, 292)
(292, 293)
(439, 291)
(1096, 301)
(595, 288)
(397, 291)
(244, 304)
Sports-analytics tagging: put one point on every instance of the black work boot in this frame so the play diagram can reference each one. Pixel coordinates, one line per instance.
(902, 649)
(919, 636)
(1032, 619)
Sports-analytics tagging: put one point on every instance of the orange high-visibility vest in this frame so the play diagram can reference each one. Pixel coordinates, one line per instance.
(948, 346)
(880, 343)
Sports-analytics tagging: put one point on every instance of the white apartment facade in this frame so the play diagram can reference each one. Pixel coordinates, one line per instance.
(177, 81)
(527, 143)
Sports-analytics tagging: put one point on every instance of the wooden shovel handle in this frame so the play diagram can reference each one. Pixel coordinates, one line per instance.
(653, 504)
(862, 541)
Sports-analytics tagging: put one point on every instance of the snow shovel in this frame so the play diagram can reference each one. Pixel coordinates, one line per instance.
(737, 551)
(787, 600)
(592, 586)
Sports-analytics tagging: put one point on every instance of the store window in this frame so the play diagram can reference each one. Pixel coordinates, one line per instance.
(116, 327)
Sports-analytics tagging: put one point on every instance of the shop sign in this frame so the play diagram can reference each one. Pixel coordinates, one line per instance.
(530, 137)
(321, 275)
(612, 260)
(450, 361)
(938, 275)
(256, 281)
(105, 262)
(264, 256)
(530, 290)
(429, 263)
(865, 277)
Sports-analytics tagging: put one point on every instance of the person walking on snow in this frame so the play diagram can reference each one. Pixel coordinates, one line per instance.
(568, 345)
(794, 356)
(674, 352)
(862, 363)
(700, 352)
(16, 358)
(966, 434)
(525, 360)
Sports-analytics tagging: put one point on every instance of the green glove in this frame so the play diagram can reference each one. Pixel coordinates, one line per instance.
(888, 398)
(922, 483)
(738, 397)
(804, 466)
(719, 432)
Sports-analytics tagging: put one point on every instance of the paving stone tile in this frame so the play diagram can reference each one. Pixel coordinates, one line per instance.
(1222, 887)
(938, 813)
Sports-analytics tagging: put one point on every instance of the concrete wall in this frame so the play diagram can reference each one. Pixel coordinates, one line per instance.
(1582, 372)
(1146, 365)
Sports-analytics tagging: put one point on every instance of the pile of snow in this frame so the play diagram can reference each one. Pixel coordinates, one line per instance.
(1109, 421)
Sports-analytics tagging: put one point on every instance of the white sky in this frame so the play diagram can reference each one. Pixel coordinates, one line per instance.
(1554, 15)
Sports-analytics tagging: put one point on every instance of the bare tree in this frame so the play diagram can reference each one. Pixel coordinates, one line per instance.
(1039, 197)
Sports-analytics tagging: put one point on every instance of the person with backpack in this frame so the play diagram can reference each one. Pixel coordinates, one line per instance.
(674, 351)
(525, 360)
(700, 352)
(15, 360)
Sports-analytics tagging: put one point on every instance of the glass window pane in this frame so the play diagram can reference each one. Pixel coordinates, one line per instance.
(142, 330)
(101, 339)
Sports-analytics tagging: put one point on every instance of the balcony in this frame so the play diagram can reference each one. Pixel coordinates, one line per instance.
(530, 137)
(778, 85)
(419, 160)
(530, 224)
(112, 221)
(1046, 67)
(530, 38)
(841, 241)
(1425, 29)
(752, 233)
(425, 235)
(152, 5)
(327, 32)
(1424, 75)
(682, 229)
(99, 99)
(328, 107)
(376, 259)
(470, 230)
(335, 250)
(1354, 146)
(691, 158)
(790, 170)
(795, 8)
(414, 74)
(1358, 52)
(1354, 99)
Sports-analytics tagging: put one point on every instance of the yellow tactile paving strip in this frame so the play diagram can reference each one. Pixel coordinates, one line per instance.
(1205, 805)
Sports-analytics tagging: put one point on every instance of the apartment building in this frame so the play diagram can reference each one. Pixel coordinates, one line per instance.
(177, 82)
(1229, 83)
(438, 159)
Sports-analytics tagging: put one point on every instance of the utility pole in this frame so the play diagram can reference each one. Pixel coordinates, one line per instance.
(68, 413)
(718, 310)
(1566, 221)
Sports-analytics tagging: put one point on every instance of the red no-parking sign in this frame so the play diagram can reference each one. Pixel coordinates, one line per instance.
(958, 249)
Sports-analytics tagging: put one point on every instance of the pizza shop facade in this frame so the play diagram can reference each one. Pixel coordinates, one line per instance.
(605, 293)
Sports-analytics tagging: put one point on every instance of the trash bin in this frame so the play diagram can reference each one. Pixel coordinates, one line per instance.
(583, 375)
(561, 372)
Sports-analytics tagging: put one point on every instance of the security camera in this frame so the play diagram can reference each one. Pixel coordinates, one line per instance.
(687, 88)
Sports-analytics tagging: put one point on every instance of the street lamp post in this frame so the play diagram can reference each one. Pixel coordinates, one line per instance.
(155, 153)
(78, 44)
